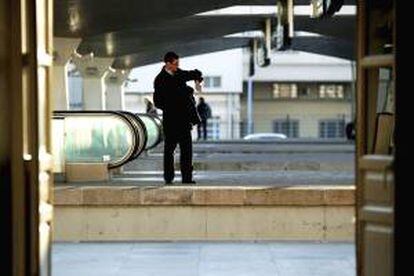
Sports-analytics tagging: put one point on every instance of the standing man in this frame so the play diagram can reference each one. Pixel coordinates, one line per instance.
(172, 96)
(204, 111)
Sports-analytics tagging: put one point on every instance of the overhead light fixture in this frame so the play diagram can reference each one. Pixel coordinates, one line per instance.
(77, 54)
(112, 69)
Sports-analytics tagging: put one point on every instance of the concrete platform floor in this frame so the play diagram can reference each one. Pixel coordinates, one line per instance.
(204, 258)
(315, 161)
(289, 145)
(241, 178)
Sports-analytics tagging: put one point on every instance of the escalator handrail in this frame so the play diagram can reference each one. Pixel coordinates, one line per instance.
(138, 121)
(158, 123)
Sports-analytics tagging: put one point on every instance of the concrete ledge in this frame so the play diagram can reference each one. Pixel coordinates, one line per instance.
(317, 213)
(228, 223)
(204, 196)
(78, 172)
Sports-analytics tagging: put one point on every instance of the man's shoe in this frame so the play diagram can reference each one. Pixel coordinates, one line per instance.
(168, 182)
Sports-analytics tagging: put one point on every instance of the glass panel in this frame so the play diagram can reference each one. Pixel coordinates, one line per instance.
(331, 91)
(153, 131)
(282, 90)
(207, 82)
(294, 91)
(380, 109)
(286, 126)
(58, 134)
(212, 81)
(380, 20)
(332, 128)
(385, 102)
(97, 139)
(139, 128)
(276, 90)
(216, 82)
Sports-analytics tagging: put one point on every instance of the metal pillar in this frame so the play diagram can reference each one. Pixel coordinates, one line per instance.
(250, 105)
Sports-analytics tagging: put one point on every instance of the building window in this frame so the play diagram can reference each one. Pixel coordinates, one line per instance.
(212, 81)
(286, 91)
(332, 128)
(308, 91)
(286, 126)
(331, 91)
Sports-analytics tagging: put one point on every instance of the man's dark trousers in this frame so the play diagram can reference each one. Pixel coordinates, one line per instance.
(202, 127)
(186, 154)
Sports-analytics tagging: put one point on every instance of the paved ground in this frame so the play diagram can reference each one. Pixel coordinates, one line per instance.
(204, 259)
(249, 164)
(230, 164)
(242, 178)
(253, 162)
(240, 146)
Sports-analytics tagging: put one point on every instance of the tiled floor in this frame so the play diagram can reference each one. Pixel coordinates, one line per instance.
(204, 259)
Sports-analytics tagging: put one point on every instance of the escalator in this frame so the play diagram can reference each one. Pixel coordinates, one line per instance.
(112, 137)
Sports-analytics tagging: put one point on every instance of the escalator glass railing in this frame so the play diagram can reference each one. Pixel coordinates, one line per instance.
(102, 137)
(153, 128)
(58, 127)
(94, 137)
(140, 133)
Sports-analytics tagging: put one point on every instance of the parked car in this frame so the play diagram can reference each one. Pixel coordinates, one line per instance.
(265, 136)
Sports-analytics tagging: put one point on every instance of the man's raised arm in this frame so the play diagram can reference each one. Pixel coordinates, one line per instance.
(190, 75)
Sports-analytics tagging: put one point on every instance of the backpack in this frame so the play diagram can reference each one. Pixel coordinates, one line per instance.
(208, 111)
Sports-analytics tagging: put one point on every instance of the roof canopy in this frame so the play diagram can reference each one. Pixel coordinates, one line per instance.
(136, 33)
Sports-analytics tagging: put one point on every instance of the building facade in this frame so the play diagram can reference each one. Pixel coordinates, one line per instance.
(301, 95)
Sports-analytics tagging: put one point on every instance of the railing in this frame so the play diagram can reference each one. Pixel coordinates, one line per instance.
(153, 127)
(112, 137)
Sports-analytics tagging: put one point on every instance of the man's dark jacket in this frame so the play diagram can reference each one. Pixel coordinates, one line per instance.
(173, 98)
(204, 111)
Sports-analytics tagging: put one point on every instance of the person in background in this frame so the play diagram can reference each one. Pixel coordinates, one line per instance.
(174, 98)
(204, 111)
(350, 130)
(150, 108)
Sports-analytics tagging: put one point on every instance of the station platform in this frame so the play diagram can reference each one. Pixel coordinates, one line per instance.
(244, 192)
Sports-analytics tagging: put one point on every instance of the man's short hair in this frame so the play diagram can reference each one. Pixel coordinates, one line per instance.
(170, 57)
